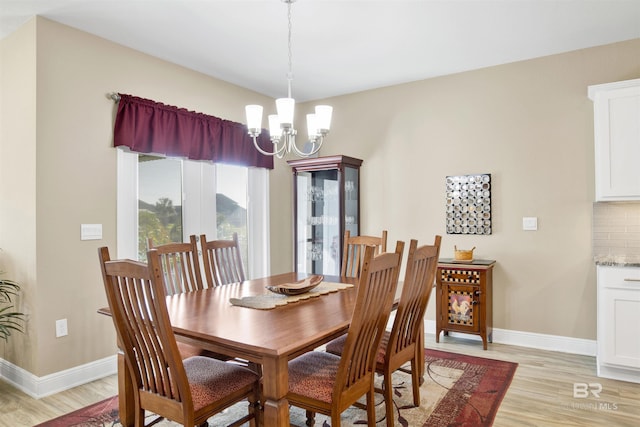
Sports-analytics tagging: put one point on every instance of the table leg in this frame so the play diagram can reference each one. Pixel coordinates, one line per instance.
(125, 394)
(275, 383)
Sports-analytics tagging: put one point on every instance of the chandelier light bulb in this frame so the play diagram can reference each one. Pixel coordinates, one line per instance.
(254, 118)
(312, 126)
(275, 130)
(323, 117)
(285, 107)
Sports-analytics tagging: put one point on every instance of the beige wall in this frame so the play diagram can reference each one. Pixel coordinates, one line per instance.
(18, 182)
(68, 178)
(529, 124)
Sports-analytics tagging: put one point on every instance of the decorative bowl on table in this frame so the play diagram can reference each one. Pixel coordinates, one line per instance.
(297, 288)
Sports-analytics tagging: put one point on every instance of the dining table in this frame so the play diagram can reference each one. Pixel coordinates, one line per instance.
(269, 337)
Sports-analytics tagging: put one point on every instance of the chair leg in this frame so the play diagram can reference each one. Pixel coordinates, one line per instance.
(255, 410)
(335, 419)
(420, 356)
(371, 408)
(139, 417)
(416, 381)
(388, 399)
(311, 418)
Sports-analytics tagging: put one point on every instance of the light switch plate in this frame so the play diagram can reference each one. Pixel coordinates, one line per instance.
(90, 231)
(61, 328)
(530, 223)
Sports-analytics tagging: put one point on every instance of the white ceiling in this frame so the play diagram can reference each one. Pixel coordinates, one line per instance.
(339, 46)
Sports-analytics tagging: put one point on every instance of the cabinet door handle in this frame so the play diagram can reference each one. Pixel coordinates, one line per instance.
(631, 280)
(477, 293)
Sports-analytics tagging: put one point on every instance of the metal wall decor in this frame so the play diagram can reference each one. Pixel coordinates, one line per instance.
(469, 204)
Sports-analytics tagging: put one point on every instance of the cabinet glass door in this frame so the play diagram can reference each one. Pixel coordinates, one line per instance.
(326, 204)
(318, 222)
(351, 198)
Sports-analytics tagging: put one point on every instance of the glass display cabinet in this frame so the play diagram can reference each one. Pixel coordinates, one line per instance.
(326, 200)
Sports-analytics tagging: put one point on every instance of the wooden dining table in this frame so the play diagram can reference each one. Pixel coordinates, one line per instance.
(271, 338)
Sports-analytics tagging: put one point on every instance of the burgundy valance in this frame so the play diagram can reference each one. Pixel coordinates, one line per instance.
(147, 126)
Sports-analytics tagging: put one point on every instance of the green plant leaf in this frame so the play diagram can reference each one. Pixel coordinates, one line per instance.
(10, 321)
(8, 288)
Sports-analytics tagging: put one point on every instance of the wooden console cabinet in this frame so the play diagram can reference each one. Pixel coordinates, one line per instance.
(464, 298)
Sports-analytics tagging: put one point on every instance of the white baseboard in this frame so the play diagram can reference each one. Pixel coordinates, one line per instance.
(38, 387)
(529, 339)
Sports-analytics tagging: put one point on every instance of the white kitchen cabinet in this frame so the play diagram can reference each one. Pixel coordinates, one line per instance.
(617, 139)
(619, 323)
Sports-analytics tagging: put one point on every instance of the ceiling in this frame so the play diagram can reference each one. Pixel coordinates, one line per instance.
(339, 46)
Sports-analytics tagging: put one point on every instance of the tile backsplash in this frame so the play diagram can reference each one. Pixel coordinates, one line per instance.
(616, 232)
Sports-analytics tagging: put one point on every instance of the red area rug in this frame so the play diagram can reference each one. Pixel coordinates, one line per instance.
(458, 390)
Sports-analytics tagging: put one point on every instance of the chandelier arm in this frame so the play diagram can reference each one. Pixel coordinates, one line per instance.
(303, 154)
(317, 145)
(276, 152)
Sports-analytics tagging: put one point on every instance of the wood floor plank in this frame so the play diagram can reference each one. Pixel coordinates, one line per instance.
(541, 393)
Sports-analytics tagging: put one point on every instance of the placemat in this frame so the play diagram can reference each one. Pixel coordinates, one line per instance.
(270, 300)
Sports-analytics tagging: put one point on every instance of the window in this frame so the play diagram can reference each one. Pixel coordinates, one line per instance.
(159, 202)
(231, 205)
(169, 199)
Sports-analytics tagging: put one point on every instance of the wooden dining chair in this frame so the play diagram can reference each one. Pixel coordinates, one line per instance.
(185, 391)
(321, 382)
(354, 248)
(181, 271)
(222, 261)
(405, 342)
(222, 265)
(180, 265)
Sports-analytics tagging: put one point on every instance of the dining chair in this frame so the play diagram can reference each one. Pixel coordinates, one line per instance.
(181, 271)
(222, 261)
(180, 265)
(325, 383)
(222, 265)
(405, 342)
(185, 391)
(354, 248)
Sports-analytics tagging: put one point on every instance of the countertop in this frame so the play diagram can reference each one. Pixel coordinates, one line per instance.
(618, 260)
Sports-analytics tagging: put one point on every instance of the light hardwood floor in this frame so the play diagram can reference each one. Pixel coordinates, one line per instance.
(541, 394)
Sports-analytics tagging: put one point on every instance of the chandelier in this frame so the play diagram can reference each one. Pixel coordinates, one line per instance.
(281, 130)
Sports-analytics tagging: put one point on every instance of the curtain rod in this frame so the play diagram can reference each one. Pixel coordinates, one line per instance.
(114, 96)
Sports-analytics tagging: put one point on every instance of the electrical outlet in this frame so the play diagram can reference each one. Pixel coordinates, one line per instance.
(61, 328)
